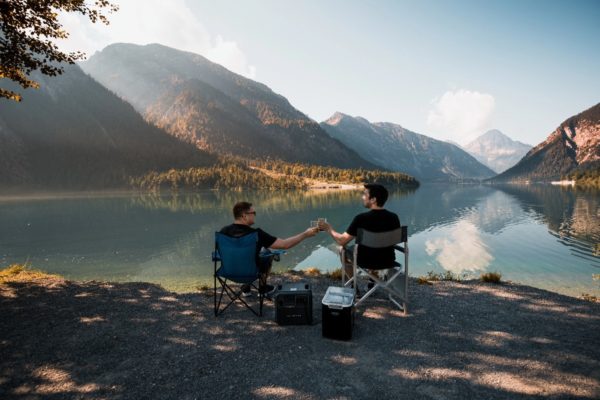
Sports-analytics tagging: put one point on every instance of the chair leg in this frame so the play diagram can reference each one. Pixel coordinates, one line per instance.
(385, 285)
(233, 297)
(215, 293)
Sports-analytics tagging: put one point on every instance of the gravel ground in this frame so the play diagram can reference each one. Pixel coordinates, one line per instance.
(469, 340)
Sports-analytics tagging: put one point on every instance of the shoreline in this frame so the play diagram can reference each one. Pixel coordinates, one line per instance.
(137, 340)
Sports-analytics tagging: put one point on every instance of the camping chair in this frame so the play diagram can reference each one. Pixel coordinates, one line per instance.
(235, 261)
(396, 284)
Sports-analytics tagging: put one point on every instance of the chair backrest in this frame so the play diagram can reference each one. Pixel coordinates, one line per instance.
(238, 257)
(382, 239)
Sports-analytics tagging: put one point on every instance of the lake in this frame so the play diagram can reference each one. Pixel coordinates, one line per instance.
(539, 235)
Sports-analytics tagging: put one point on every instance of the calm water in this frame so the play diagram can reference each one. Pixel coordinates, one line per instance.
(541, 236)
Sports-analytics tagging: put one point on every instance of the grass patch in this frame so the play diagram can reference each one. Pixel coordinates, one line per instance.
(491, 277)
(440, 276)
(336, 274)
(204, 286)
(22, 273)
(589, 297)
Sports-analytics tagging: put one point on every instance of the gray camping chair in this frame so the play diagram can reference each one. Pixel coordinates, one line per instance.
(395, 283)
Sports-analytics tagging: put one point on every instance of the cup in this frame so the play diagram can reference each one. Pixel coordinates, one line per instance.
(319, 220)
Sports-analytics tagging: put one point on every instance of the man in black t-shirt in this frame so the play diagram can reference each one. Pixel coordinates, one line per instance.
(244, 215)
(377, 219)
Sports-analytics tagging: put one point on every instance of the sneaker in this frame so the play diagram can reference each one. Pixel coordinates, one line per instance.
(267, 289)
(246, 290)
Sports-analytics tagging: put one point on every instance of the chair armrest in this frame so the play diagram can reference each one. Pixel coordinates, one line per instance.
(275, 254)
(216, 256)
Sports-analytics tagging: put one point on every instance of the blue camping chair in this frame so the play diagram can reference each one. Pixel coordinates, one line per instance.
(235, 261)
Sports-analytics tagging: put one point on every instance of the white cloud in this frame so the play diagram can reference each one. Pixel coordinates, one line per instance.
(228, 53)
(462, 114)
(462, 251)
(168, 22)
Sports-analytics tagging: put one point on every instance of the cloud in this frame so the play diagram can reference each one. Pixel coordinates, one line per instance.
(461, 114)
(168, 22)
(462, 251)
(228, 53)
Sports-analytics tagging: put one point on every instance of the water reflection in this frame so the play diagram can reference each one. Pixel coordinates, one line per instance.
(495, 212)
(269, 201)
(572, 216)
(461, 249)
(539, 235)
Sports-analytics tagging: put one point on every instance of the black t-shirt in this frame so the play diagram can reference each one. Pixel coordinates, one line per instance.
(375, 221)
(238, 230)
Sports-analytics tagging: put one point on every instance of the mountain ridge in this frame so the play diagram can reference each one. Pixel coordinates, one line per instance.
(496, 150)
(153, 78)
(399, 149)
(574, 144)
(73, 133)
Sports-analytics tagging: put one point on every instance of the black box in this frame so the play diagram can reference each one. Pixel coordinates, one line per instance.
(338, 313)
(293, 304)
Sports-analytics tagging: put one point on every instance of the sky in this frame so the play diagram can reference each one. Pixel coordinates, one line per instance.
(447, 69)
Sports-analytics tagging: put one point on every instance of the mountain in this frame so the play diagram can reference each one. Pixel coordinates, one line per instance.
(73, 133)
(399, 149)
(496, 150)
(217, 110)
(575, 144)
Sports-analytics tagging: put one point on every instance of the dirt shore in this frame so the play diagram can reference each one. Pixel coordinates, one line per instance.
(469, 340)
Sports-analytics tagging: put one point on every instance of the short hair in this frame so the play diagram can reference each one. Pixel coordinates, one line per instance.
(378, 191)
(240, 208)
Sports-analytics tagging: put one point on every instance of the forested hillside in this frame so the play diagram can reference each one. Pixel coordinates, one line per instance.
(270, 175)
(73, 133)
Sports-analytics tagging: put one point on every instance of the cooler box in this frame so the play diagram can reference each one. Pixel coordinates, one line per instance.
(293, 304)
(338, 313)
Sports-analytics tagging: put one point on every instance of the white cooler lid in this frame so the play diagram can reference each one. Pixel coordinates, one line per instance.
(338, 297)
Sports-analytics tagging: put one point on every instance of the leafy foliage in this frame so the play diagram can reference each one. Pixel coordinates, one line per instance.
(586, 177)
(28, 29)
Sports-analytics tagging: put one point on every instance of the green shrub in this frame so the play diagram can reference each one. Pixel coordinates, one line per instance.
(491, 277)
